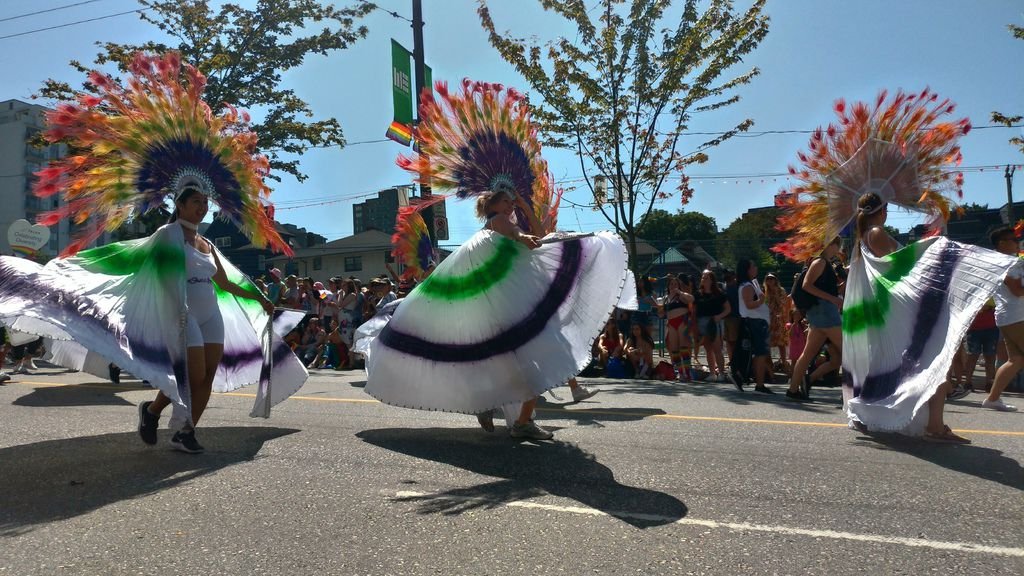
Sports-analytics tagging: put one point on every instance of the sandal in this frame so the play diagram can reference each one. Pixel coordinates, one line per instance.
(486, 420)
(947, 436)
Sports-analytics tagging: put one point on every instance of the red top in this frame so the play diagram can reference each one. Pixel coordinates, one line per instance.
(986, 319)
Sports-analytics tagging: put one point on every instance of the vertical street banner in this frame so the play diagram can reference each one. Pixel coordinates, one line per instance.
(401, 91)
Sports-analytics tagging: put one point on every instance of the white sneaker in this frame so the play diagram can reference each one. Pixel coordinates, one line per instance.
(998, 405)
(4, 376)
(581, 393)
(32, 364)
(530, 430)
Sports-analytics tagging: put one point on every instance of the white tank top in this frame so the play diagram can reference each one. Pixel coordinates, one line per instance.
(199, 267)
(761, 312)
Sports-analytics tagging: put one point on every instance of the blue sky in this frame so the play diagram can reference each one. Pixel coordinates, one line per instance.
(816, 51)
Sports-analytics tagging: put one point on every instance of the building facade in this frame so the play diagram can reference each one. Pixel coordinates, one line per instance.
(20, 124)
(251, 260)
(365, 255)
(380, 213)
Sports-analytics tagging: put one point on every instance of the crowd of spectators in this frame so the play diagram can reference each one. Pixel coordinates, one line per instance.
(333, 312)
(714, 317)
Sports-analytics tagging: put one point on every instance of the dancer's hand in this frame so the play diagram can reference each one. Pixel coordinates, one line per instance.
(267, 305)
(530, 241)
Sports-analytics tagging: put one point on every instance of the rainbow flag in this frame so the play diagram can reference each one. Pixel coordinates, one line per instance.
(400, 133)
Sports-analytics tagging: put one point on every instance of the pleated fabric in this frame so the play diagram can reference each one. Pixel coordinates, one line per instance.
(904, 317)
(125, 303)
(497, 323)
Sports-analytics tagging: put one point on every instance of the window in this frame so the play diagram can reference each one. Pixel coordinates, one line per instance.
(353, 263)
(222, 242)
(318, 263)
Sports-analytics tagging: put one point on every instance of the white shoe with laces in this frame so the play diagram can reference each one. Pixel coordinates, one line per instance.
(998, 405)
(581, 393)
(530, 430)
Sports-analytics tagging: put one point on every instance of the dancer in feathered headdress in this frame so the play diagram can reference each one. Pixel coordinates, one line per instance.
(504, 318)
(905, 310)
(898, 149)
(167, 307)
(138, 145)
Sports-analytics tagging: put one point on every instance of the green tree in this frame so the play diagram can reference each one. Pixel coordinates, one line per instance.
(625, 90)
(660, 226)
(1018, 32)
(243, 53)
(974, 207)
(751, 236)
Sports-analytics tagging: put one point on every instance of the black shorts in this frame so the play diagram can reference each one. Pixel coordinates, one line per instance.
(33, 348)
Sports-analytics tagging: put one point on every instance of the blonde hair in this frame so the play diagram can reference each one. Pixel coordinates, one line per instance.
(485, 201)
(867, 206)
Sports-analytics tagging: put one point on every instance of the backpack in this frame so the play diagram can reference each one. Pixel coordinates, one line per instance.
(741, 361)
(615, 368)
(801, 299)
(664, 371)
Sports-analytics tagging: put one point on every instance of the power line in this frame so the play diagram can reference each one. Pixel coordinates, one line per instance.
(385, 10)
(776, 132)
(26, 15)
(345, 145)
(27, 32)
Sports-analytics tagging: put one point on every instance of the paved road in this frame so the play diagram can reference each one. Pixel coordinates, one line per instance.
(645, 478)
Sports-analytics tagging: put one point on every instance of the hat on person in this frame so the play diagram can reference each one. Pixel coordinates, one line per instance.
(318, 285)
(275, 273)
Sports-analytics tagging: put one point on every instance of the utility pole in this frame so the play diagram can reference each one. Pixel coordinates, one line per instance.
(418, 63)
(1008, 174)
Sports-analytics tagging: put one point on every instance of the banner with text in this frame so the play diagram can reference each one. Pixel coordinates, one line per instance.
(401, 93)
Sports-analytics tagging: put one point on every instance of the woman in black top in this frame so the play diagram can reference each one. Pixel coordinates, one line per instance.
(824, 319)
(712, 307)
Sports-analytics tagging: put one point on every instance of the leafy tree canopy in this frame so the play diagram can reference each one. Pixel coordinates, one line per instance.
(625, 89)
(750, 236)
(243, 53)
(1008, 120)
(658, 226)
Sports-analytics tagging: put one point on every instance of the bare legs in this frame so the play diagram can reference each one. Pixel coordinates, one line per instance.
(202, 367)
(816, 338)
(713, 351)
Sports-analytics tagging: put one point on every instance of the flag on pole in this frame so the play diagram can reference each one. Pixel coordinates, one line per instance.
(401, 92)
(400, 133)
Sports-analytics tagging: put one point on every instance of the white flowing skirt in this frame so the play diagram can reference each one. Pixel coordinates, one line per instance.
(497, 323)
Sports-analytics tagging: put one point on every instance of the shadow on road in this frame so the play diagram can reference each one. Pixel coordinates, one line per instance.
(528, 470)
(825, 399)
(547, 409)
(984, 463)
(78, 395)
(60, 479)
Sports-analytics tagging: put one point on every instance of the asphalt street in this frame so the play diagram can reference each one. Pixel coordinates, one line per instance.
(644, 478)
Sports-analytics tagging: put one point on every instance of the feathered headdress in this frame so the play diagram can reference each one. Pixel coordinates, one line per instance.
(482, 141)
(410, 244)
(899, 150)
(135, 145)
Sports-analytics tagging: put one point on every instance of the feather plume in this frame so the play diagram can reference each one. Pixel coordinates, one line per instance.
(410, 244)
(481, 140)
(139, 142)
(899, 148)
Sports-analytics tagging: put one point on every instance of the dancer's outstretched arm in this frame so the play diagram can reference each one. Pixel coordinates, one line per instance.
(221, 279)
